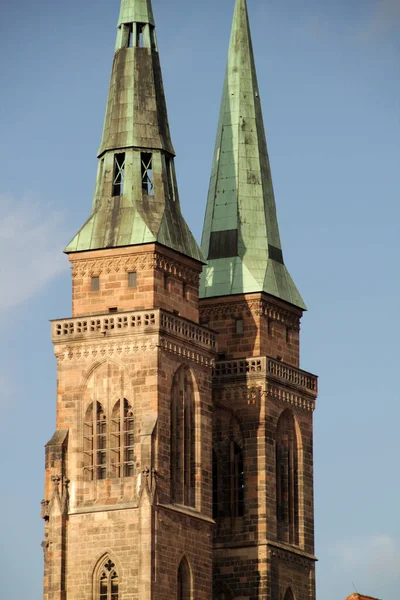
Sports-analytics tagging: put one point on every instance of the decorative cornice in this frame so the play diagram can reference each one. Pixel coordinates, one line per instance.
(90, 351)
(277, 393)
(294, 556)
(230, 393)
(98, 351)
(259, 307)
(135, 262)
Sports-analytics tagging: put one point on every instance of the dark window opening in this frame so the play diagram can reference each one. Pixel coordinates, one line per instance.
(215, 485)
(95, 284)
(170, 179)
(184, 583)
(166, 282)
(122, 440)
(132, 279)
(95, 443)
(119, 174)
(237, 481)
(183, 461)
(287, 492)
(130, 35)
(153, 38)
(114, 309)
(140, 35)
(223, 244)
(184, 290)
(147, 173)
(239, 326)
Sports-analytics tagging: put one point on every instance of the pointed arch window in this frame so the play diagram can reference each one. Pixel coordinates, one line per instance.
(95, 442)
(287, 479)
(236, 480)
(184, 581)
(289, 595)
(108, 583)
(183, 460)
(228, 481)
(122, 440)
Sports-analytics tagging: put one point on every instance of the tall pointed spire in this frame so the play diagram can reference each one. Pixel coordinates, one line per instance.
(136, 197)
(241, 241)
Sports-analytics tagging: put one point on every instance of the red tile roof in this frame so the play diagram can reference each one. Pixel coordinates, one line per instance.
(360, 597)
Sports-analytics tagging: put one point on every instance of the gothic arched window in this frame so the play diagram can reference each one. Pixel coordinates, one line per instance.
(236, 480)
(289, 595)
(107, 581)
(287, 479)
(184, 581)
(95, 442)
(183, 460)
(122, 440)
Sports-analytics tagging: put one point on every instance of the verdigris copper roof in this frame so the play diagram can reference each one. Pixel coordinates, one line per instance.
(136, 198)
(241, 241)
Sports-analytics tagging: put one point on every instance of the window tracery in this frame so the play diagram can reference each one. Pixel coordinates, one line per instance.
(108, 582)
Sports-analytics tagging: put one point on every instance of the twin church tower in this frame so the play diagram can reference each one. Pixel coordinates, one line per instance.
(182, 463)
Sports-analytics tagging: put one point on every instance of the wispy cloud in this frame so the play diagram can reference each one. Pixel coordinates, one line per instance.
(383, 20)
(30, 247)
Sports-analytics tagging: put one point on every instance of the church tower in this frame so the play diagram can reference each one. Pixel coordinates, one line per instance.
(181, 466)
(128, 486)
(263, 403)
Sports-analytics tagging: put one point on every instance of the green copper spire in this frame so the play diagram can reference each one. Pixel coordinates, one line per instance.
(136, 198)
(241, 241)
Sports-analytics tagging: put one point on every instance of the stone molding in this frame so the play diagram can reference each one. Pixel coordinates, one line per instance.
(98, 351)
(261, 307)
(135, 262)
(294, 557)
(89, 351)
(236, 393)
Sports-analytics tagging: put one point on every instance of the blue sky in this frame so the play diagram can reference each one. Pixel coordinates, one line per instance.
(330, 87)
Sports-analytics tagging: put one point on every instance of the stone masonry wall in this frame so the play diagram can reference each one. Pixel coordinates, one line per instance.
(164, 279)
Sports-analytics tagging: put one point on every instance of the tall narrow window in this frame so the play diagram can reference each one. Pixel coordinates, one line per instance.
(95, 283)
(170, 179)
(239, 326)
(287, 493)
(132, 279)
(215, 481)
(130, 35)
(108, 582)
(95, 443)
(237, 480)
(119, 174)
(122, 440)
(140, 35)
(184, 581)
(147, 173)
(183, 459)
(289, 595)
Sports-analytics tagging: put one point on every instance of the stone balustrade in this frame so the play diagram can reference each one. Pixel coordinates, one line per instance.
(128, 322)
(268, 367)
